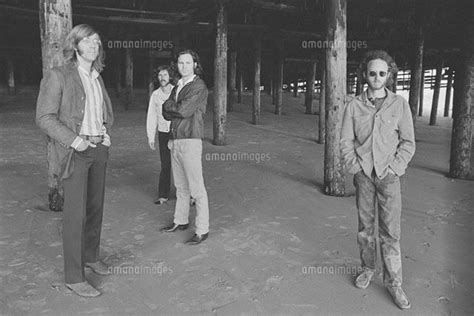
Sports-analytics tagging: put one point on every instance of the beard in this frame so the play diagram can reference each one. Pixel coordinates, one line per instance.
(164, 83)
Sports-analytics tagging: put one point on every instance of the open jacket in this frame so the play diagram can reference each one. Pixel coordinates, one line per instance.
(186, 113)
(60, 112)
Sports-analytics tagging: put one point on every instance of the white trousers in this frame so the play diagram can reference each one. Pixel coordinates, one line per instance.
(186, 165)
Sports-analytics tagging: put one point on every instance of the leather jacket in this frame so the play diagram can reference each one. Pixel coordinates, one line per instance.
(187, 111)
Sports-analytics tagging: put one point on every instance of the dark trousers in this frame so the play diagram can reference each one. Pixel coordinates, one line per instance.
(382, 196)
(165, 173)
(83, 208)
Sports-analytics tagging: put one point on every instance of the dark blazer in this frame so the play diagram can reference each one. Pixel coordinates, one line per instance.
(186, 113)
(60, 112)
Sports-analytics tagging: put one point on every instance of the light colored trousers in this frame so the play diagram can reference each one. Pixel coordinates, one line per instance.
(382, 196)
(186, 165)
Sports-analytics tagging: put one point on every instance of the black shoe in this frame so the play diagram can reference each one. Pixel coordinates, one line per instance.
(197, 239)
(56, 200)
(173, 227)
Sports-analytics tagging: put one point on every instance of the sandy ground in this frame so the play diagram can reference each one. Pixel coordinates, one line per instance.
(277, 245)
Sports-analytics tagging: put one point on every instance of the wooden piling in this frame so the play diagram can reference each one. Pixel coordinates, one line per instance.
(336, 60)
(220, 76)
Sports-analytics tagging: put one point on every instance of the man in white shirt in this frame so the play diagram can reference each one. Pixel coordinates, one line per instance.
(156, 121)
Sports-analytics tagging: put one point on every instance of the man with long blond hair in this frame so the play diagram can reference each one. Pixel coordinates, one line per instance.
(74, 110)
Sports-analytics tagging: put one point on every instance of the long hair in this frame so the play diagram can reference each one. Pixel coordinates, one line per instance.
(171, 73)
(72, 40)
(383, 55)
(198, 68)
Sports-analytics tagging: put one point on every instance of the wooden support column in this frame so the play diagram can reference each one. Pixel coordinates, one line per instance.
(11, 89)
(336, 60)
(295, 87)
(129, 94)
(422, 92)
(449, 87)
(322, 103)
(310, 77)
(463, 102)
(118, 73)
(232, 81)
(274, 83)
(360, 83)
(279, 79)
(151, 85)
(55, 18)
(437, 88)
(393, 87)
(240, 84)
(417, 66)
(256, 85)
(220, 76)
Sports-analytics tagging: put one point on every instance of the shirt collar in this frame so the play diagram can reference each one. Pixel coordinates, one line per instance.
(365, 98)
(93, 75)
(182, 83)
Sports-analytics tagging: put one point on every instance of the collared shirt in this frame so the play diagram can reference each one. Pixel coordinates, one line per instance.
(182, 83)
(93, 121)
(376, 140)
(155, 114)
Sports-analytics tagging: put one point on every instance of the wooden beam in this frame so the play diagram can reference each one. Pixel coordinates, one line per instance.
(336, 57)
(461, 136)
(359, 83)
(150, 80)
(393, 87)
(256, 85)
(240, 77)
(118, 73)
(322, 103)
(437, 88)
(279, 78)
(422, 92)
(274, 6)
(232, 81)
(417, 66)
(310, 78)
(220, 76)
(172, 15)
(11, 89)
(55, 24)
(129, 94)
(449, 86)
(295, 86)
(55, 19)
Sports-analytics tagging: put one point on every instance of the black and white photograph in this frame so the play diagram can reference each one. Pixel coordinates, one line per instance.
(236, 157)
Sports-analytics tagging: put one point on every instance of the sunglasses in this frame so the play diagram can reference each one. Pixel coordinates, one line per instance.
(374, 73)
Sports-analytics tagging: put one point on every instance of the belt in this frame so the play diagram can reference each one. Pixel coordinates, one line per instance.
(93, 139)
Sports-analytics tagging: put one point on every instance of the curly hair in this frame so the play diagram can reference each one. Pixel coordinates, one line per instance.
(383, 55)
(76, 35)
(198, 69)
(171, 73)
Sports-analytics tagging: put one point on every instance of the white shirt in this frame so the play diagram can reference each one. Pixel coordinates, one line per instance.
(155, 117)
(93, 121)
(182, 83)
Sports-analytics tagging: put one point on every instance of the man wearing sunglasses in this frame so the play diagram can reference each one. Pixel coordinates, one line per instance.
(377, 142)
